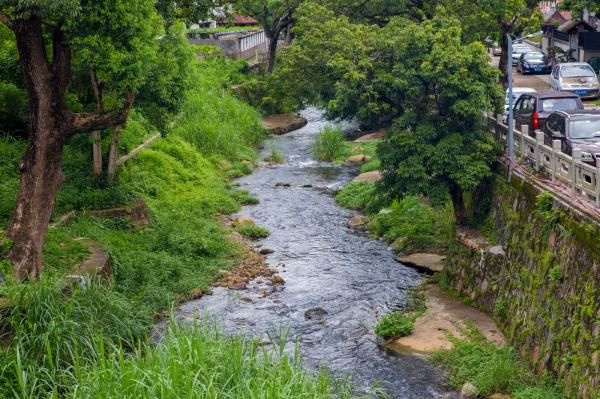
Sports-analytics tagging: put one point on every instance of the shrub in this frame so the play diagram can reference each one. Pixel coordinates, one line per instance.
(420, 226)
(329, 146)
(357, 195)
(546, 392)
(395, 324)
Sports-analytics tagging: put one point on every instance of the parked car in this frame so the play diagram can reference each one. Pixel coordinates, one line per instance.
(534, 62)
(517, 93)
(575, 77)
(518, 50)
(532, 109)
(575, 129)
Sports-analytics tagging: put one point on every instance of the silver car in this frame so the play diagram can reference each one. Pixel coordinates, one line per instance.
(575, 77)
(518, 50)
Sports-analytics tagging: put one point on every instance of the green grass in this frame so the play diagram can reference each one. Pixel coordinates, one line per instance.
(199, 361)
(357, 195)
(330, 145)
(275, 156)
(492, 369)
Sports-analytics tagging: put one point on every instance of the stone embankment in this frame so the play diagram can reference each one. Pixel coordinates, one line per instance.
(540, 278)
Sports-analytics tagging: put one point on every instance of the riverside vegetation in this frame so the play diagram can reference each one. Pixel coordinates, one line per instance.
(93, 341)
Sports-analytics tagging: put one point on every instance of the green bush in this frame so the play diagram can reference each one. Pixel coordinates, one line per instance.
(357, 195)
(538, 393)
(419, 226)
(329, 146)
(395, 324)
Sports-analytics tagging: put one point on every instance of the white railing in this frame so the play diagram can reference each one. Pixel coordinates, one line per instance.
(251, 43)
(582, 178)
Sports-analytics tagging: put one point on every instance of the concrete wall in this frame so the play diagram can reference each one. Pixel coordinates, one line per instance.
(540, 279)
(229, 48)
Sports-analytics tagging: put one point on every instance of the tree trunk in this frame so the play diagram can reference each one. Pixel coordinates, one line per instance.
(112, 155)
(289, 36)
(458, 203)
(505, 58)
(41, 172)
(97, 154)
(272, 46)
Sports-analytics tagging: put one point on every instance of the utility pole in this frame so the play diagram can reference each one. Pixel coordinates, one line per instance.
(511, 122)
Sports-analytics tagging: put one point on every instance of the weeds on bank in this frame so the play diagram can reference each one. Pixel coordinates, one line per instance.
(252, 232)
(330, 145)
(492, 369)
(356, 195)
(395, 324)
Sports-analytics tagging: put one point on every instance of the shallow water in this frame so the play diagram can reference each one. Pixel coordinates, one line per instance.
(325, 265)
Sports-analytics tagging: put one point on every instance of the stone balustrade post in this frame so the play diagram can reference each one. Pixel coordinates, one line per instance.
(556, 149)
(575, 158)
(524, 132)
(539, 142)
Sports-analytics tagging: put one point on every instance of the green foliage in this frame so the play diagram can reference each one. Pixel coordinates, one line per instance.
(545, 207)
(10, 69)
(419, 226)
(490, 368)
(395, 324)
(13, 109)
(275, 155)
(253, 232)
(538, 393)
(329, 146)
(62, 254)
(356, 195)
(500, 308)
(189, 11)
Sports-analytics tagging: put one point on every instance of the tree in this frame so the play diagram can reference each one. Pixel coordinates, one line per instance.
(112, 37)
(381, 11)
(439, 147)
(275, 16)
(188, 11)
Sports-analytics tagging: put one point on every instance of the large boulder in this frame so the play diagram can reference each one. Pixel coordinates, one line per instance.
(358, 223)
(284, 123)
(468, 390)
(359, 159)
(372, 177)
(371, 136)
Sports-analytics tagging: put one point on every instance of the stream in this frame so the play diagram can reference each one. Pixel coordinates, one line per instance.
(343, 279)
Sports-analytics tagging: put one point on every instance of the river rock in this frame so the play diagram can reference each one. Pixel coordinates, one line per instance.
(373, 177)
(277, 280)
(358, 223)
(243, 222)
(359, 159)
(315, 313)
(371, 136)
(468, 390)
(282, 184)
(498, 250)
(430, 262)
(266, 251)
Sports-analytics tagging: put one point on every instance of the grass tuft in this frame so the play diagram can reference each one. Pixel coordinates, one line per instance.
(395, 324)
(356, 195)
(252, 232)
(330, 145)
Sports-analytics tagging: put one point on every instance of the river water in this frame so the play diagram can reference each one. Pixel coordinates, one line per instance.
(326, 267)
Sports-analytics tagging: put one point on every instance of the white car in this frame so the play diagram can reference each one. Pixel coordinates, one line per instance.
(517, 92)
(517, 50)
(575, 77)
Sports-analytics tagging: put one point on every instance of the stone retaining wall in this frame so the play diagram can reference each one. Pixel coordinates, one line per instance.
(540, 279)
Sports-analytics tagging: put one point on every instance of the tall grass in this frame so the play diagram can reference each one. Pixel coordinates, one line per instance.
(329, 146)
(195, 361)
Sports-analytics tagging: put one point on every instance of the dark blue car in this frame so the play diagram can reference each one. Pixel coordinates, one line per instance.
(534, 62)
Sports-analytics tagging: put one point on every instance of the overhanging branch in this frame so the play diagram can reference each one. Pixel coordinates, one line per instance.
(84, 122)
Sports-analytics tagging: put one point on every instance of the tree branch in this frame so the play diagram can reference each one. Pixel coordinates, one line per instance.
(5, 19)
(84, 122)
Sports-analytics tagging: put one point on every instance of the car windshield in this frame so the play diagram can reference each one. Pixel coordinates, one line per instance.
(577, 71)
(533, 56)
(559, 104)
(585, 129)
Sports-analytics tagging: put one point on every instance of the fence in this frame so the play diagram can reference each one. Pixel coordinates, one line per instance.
(581, 178)
(235, 45)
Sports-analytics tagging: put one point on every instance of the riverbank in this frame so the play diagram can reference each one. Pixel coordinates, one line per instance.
(182, 250)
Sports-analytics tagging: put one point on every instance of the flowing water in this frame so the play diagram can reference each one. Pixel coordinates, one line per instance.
(326, 267)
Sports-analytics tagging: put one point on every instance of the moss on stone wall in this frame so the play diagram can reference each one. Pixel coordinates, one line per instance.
(544, 290)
